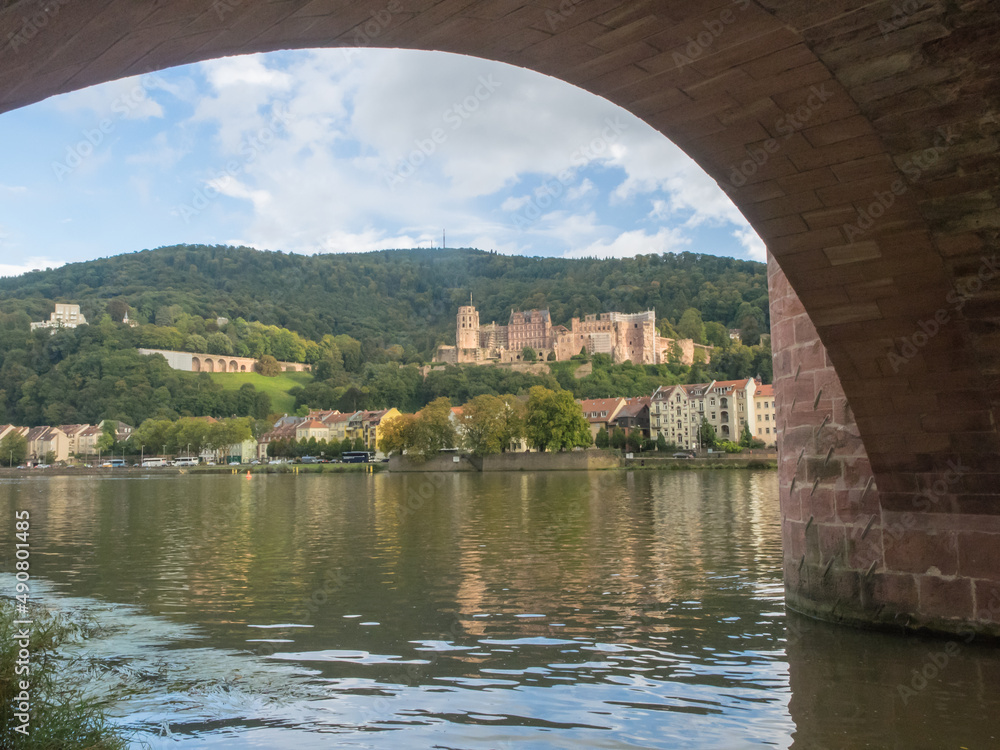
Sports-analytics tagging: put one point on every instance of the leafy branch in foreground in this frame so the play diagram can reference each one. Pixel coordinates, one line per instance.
(62, 717)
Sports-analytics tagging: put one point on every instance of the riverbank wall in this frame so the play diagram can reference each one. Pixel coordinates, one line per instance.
(592, 460)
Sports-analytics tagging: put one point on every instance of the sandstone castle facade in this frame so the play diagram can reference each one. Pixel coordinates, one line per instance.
(624, 337)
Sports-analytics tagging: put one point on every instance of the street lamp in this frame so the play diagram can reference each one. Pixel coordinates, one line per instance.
(142, 454)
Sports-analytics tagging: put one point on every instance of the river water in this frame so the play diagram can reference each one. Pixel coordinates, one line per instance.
(523, 610)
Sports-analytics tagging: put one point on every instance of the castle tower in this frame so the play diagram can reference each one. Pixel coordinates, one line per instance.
(467, 328)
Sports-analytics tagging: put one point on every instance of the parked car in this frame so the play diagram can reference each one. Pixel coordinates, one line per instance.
(255, 462)
(683, 454)
(234, 463)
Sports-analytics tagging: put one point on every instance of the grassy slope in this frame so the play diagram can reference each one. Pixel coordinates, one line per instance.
(277, 387)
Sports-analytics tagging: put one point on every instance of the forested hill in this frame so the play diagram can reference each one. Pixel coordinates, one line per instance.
(406, 297)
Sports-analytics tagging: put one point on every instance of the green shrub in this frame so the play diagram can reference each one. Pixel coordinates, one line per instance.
(61, 717)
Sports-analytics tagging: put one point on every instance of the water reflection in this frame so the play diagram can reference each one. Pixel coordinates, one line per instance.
(540, 610)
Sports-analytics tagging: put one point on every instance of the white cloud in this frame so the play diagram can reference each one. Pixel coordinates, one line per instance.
(305, 145)
(515, 204)
(29, 264)
(633, 243)
(583, 189)
(13, 189)
(128, 98)
(754, 245)
(160, 153)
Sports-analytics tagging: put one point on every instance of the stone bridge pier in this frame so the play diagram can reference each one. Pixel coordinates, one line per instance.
(923, 555)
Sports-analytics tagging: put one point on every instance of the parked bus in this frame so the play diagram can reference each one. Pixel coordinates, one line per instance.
(114, 463)
(152, 463)
(186, 461)
(357, 457)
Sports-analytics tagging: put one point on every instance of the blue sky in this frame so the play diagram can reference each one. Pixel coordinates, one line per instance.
(348, 150)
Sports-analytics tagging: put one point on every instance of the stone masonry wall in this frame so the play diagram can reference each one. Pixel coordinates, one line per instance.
(849, 555)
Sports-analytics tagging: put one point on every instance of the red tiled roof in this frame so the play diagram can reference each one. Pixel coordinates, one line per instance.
(599, 405)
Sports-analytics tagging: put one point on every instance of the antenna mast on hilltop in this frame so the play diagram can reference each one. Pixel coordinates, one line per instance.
(444, 239)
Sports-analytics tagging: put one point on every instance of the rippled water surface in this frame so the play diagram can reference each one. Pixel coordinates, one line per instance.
(548, 610)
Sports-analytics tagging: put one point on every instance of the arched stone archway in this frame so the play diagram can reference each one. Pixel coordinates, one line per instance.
(195, 364)
(209, 365)
(233, 367)
(861, 142)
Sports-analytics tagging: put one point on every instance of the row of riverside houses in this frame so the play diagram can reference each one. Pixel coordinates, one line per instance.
(65, 440)
(329, 426)
(676, 412)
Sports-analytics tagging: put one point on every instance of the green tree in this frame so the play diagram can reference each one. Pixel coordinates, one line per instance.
(601, 440)
(706, 434)
(529, 355)
(717, 335)
(157, 435)
(219, 343)
(634, 441)
(746, 438)
(106, 442)
(268, 366)
(13, 449)
(618, 438)
(661, 443)
(750, 332)
(551, 357)
(118, 309)
(191, 435)
(691, 326)
(490, 424)
(359, 444)
(195, 343)
(554, 421)
(434, 429)
(511, 422)
(398, 435)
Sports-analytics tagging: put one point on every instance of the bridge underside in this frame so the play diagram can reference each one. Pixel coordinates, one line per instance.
(859, 138)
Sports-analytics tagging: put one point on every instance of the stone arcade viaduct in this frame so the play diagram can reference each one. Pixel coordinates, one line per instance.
(861, 141)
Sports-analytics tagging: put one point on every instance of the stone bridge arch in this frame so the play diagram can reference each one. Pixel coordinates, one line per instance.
(860, 140)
